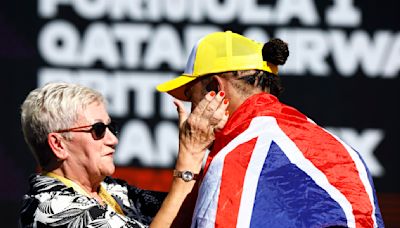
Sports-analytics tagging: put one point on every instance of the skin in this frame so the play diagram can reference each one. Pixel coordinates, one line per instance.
(197, 90)
(87, 162)
(196, 133)
(233, 98)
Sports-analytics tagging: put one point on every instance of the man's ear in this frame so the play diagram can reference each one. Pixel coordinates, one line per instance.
(212, 85)
(57, 145)
(219, 83)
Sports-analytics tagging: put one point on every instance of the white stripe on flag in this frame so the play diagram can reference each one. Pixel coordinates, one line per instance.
(253, 171)
(295, 156)
(362, 173)
(207, 201)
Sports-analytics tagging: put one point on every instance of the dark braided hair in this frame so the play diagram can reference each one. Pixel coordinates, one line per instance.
(276, 52)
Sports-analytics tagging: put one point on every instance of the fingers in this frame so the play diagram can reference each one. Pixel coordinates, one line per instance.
(219, 116)
(209, 115)
(221, 124)
(212, 111)
(197, 131)
(214, 108)
(182, 115)
(204, 103)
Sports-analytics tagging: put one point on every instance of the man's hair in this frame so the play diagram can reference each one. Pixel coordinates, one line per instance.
(53, 107)
(274, 51)
(266, 81)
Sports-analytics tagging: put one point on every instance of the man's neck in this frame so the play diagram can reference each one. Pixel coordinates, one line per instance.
(236, 99)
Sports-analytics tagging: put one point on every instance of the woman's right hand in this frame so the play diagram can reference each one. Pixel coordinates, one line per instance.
(197, 131)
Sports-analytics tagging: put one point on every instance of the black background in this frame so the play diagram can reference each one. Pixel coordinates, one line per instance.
(358, 102)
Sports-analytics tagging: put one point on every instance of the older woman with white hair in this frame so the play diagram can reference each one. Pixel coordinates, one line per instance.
(73, 140)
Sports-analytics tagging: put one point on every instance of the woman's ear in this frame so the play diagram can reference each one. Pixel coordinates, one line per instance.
(57, 145)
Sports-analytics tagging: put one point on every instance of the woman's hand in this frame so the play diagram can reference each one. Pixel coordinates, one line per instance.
(196, 132)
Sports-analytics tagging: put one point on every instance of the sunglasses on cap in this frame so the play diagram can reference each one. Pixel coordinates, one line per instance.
(98, 130)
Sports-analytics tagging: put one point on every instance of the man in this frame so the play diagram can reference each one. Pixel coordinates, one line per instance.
(270, 166)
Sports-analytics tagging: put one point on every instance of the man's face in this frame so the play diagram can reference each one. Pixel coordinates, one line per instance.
(195, 92)
(94, 156)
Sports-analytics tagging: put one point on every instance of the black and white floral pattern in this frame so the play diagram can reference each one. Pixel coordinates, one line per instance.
(49, 203)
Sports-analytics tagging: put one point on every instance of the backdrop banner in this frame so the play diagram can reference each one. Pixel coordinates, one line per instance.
(343, 72)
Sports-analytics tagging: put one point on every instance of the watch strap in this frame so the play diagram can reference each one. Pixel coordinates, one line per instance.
(186, 175)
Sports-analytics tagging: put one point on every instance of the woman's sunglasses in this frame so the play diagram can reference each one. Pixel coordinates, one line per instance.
(98, 130)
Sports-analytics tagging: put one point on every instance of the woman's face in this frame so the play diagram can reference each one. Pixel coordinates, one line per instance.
(91, 157)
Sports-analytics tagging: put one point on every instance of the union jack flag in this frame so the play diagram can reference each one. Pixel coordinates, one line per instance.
(271, 166)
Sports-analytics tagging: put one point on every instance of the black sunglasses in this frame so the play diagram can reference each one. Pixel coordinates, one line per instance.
(98, 129)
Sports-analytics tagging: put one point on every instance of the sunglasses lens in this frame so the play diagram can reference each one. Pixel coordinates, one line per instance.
(99, 130)
(113, 128)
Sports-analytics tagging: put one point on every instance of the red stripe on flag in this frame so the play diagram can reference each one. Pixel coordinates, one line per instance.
(331, 157)
(233, 173)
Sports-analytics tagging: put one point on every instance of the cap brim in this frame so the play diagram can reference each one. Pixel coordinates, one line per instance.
(176, 87)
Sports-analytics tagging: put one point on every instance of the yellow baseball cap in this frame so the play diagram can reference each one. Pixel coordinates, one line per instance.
(216, 53)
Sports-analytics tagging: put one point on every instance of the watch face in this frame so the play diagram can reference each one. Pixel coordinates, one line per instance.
(187, 176)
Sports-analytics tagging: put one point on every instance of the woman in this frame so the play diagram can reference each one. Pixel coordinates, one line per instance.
(73, 140)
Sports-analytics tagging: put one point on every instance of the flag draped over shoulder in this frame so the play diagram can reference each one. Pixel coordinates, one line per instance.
(273, 167)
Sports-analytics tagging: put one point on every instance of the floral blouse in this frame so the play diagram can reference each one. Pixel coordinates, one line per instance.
(49, 203)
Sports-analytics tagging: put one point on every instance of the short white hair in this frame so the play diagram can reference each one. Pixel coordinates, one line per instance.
(53, 107)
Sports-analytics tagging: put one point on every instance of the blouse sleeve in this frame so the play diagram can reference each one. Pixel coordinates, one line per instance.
(143, 204)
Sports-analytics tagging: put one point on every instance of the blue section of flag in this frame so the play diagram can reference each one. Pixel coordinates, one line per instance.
(287, 197)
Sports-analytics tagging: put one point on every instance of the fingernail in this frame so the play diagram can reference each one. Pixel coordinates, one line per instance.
(226, 101)
(212, 93)
(226, 112)
(222, 93)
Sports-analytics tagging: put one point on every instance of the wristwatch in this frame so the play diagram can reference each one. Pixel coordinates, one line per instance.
(186, 175)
